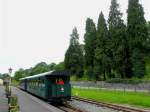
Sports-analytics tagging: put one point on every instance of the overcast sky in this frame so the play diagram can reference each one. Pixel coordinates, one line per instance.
(32, 31)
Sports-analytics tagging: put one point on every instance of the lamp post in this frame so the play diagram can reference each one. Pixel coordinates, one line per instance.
(8, 83)
(10, 71)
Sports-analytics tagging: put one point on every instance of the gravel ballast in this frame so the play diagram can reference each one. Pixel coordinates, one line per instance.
(90, 107)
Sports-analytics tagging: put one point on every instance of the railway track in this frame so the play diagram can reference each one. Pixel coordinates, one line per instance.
(69, 108)
(112, 106)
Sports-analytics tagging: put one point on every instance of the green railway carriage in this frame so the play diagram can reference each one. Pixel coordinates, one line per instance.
(46, 85)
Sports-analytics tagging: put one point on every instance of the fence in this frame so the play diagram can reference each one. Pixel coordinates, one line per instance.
(142, 87)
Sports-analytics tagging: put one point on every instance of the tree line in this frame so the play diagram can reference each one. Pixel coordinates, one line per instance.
(37, 69)
(112, 49)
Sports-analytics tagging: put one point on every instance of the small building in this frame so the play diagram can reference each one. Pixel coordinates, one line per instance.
(1, 82)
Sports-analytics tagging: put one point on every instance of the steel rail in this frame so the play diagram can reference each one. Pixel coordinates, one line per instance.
(69, 108)
(110, 105)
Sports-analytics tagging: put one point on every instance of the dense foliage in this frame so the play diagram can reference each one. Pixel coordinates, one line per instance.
(138, 35)
(147, 43)
(37, 69)
(102, 60)
(119, 49)
(74, 55)
(116, 50)
(90, 45)
(1, 76)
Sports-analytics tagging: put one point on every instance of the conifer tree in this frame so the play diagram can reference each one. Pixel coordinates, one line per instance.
(147, 42)
(102, 61)
(118, 42)
(89, 39)
(74, 55)
(137, 34)
(148, 39)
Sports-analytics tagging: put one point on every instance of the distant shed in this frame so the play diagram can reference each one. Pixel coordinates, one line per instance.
(1, 82)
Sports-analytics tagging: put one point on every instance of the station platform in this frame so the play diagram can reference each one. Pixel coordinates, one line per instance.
(3, 100)
(29, 103)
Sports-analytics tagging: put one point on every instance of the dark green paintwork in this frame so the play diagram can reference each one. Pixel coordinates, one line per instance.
(50, 90)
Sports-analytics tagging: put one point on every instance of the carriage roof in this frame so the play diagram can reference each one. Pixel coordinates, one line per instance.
(50, 73)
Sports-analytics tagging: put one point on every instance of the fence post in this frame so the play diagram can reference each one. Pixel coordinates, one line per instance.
(124, 89)
(149, 89)
(134, 88)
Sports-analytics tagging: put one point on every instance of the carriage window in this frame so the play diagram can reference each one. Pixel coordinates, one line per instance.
(36, 82)
(60, 81)
(42, 83)
(39, 83)
(33, 82)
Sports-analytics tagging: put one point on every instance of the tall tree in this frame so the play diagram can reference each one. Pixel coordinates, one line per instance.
(137, 34)
(118, 42)
(148, 27)
(90, 40)
(1, 76)
(40, 68)
(51, 66)
(19, 74)
(147, 43)
(102, 60)
(74, 56)
(59, 66)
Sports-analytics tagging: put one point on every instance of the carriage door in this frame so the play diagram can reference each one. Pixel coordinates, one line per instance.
(60, 86)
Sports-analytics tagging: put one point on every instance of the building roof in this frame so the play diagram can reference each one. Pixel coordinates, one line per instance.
(50, 73)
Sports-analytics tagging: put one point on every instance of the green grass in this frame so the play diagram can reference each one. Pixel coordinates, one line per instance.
(118, 97)
(14, 83)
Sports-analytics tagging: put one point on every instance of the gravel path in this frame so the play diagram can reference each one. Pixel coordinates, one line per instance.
(90, 107)
(29, 103)
(3, 100)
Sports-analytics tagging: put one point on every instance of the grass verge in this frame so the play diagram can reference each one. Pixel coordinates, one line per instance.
(118, 97)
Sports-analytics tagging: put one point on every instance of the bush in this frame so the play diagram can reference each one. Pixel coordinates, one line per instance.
(15, 83)
(75, 78)
(13, 103)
